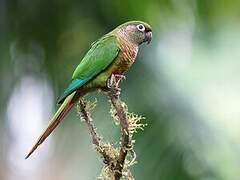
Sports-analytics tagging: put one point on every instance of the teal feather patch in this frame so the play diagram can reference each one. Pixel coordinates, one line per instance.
(75, 84)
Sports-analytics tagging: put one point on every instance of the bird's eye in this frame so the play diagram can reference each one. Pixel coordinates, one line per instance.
(141, 27)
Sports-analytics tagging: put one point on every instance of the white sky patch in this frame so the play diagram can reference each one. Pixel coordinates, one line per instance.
(29, 108)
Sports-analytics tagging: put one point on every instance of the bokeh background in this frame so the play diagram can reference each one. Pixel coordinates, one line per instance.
(186, 83)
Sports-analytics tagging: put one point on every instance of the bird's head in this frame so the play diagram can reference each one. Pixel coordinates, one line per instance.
(137, 32)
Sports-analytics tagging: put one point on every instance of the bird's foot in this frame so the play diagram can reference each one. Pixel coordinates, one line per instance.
(113, 83)
(114, 80)
(119, 77)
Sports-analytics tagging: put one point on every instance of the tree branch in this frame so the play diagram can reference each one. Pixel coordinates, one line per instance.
(96, 140)
(91, 127)
(125, 139)
(116, 162)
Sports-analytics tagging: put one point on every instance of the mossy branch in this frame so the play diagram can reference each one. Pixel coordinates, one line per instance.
(116, 160)
(83, 109)
(121, 112)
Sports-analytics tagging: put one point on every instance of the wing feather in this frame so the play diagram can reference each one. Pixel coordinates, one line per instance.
(99, 57)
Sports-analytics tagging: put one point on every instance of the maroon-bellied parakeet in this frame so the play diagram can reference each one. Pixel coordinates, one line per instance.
(114, 53)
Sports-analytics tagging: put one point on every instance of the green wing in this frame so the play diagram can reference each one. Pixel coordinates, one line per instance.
(98, 58)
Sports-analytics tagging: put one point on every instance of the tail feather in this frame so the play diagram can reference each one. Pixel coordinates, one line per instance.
(57, 118)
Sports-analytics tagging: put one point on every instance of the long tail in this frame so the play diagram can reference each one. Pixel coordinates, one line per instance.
(57, 118)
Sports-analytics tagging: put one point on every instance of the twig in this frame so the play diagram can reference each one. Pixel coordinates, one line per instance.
(87, 118)
(121, 112)
(115, 160)
(96, 140)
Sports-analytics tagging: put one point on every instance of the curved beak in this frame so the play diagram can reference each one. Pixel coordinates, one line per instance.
(148, 37)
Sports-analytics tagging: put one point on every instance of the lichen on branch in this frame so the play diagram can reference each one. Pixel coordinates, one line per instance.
(117, 160)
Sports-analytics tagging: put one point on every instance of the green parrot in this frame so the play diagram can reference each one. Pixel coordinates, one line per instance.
(112, 54)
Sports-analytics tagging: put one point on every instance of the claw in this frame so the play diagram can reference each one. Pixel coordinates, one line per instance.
(120, 76)
(114, 80)
(113, 83)
(110, 82)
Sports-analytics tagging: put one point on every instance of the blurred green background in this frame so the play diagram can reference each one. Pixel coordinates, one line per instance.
(186, 83)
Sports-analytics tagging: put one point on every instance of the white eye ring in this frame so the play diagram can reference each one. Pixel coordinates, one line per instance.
(141, 27)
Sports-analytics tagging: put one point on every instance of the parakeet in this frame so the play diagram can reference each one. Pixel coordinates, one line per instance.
(113, 53)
